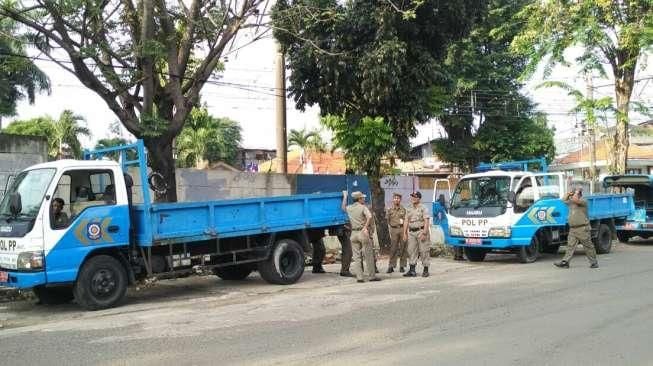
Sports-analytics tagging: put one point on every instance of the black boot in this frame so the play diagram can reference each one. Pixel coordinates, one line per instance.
(318, 269)
(390, 270)
(411, 271)
(561, 264)
(426, 272)
(401, 269)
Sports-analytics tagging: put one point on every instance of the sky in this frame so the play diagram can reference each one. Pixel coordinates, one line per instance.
(249, 99)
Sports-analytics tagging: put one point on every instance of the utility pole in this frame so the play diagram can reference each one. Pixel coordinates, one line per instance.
(591, 129)
(280, 103)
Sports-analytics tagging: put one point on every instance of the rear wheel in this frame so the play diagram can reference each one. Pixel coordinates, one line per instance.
(475, 254)
(623, 236)
(53, 295)
(285, 265)
(233, 273)
(529, 253)
(101, 283)
(603, 242)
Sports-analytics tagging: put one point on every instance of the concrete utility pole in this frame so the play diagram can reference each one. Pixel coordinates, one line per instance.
(280, 103)
(591, 129)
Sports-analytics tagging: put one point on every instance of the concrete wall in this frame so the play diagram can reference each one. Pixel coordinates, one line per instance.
(18, 153)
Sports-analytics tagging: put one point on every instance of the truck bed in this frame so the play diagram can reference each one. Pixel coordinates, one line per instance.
(604, 206)
(167, 223)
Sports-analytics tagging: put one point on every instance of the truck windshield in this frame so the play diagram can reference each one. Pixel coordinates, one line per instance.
(31, 185)
(482, 192)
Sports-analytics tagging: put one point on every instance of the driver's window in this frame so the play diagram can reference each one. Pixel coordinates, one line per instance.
(524, 196)
(78, 190)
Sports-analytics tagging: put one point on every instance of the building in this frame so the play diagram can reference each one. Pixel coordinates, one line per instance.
(17, 153)
(577, 163)
(313, 163)
(251, 159)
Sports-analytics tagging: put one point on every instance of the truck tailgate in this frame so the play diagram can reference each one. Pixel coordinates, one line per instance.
(603, 206)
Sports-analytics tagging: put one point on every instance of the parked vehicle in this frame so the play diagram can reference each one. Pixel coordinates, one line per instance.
(640, 222)
(524, 213)
(108, 242)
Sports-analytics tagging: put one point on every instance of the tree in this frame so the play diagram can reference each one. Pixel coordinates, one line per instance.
(113, 142)
(206, 138)
(60, 133)
(615, 33)
(363, 61)
(147, 60)
(19, 77)
(480, 106)
(306, 141)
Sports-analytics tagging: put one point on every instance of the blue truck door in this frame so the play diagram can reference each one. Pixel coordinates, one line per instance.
(96, 215)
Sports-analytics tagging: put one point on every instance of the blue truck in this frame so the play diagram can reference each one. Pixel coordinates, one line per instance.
(102, 240)
(640, 222)
(524, 213)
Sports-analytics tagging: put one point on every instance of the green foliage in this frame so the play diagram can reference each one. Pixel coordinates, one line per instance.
(20, 78)
(206, 138)
(365, 141)
(62, 132)
(306, 140)
(113, 142)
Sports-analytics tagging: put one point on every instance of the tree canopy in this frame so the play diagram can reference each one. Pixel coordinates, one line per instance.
(614, 33)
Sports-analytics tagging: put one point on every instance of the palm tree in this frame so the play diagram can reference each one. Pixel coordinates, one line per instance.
(307, 141)
(67, 132)
(19, 76)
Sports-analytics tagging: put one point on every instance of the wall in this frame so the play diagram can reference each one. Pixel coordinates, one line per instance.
(18, 153)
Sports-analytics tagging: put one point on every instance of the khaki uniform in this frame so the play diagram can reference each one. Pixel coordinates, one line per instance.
(579, 231)
(416, 247)
(360, 243)
(395, 217)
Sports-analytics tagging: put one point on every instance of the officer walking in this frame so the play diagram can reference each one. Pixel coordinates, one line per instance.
(579, 230)
(395, 215)
(360, 219)
(416, 232)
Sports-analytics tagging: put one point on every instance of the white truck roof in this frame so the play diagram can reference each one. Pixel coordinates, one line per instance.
(69, 163)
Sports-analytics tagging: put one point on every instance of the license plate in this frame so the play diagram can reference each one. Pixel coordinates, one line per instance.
(4, 276)
(473, 241)
(629, 226)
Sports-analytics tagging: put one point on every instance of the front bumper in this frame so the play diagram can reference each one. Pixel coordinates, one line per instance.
(489, 243)
(23, 280)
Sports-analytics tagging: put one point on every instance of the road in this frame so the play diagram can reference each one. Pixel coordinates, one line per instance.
(498, 312)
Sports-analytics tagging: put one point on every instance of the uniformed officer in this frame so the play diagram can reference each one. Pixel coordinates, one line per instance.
(395, 215)
(416, 232)
(579, 230)
(360, 219)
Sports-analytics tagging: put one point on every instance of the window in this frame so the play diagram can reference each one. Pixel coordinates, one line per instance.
(524, 196)
(78, 190)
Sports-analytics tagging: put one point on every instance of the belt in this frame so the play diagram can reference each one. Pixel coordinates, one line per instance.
(359, 229)
(415, 228)
(577, 226)
(395, 227)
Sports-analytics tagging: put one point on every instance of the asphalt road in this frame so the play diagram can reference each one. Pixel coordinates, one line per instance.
(498, 312)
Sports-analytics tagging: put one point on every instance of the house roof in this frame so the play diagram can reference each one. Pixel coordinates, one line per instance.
(635, 152)
(323, 163)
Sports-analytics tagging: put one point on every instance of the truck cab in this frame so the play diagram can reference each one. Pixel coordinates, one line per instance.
(640, 223)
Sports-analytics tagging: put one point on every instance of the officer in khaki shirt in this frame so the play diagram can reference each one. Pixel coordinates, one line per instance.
(395, 216)
(360, 219)
(579, 230)
(416, 232)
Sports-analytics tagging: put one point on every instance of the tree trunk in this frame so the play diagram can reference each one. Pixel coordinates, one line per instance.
(378, 208)
(162, 161)
(623, 91)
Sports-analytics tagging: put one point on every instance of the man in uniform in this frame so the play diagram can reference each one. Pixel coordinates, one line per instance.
(579, 230)
(395, 216)
(360, 219)
(59, 218)
(416, 232)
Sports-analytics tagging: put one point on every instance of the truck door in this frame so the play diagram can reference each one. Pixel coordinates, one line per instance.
(526, 193)
(95, 214)
(550, 185)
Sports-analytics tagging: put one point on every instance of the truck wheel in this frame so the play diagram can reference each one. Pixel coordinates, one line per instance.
(603, 242)
(475, 254)
(233, 273)
(101, 283)
(285, 265)
(529, 253)
(623, 236)
(53, 295)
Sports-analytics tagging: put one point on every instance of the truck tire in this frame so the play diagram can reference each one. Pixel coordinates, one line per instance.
(475, 254)
(233, 273)
(101, 283)
(603, 242)
(529, 253)
(53, 295)
(285, 265)
(623, 236)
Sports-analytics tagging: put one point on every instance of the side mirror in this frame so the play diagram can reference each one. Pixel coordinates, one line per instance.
(512, 197)
(15, 204)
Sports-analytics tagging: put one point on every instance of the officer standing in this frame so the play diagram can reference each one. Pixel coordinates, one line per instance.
(360, 219)
(416, 232)
(579, 230)
(395, 215)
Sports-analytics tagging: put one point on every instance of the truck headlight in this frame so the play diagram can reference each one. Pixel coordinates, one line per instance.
(500, 232)
(455, 231)
(30, 260)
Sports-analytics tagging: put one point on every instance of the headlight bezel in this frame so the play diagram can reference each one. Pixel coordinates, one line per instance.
(31, 260)
(455, 231)
(500, 232)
